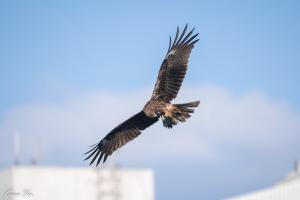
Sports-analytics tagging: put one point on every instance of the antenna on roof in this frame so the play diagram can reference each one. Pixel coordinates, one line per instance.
(297, 166)
(37, 152)
(16, 146)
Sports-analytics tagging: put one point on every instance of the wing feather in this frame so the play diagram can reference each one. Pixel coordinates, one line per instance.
(188, 35)
(170, 42)
(174, 66)
(177, 33)
(119, 136)
(182, 34)
(187, 42)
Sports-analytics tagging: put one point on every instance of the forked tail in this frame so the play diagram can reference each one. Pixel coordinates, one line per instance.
(178, 113)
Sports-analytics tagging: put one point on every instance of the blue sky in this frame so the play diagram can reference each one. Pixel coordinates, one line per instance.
(55, 51)
(80, 46)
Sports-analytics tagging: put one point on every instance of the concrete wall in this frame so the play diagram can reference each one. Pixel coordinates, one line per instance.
(5, 182)
(48, 183)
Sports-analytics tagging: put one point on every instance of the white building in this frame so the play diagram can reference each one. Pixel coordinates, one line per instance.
(286, 189)
(60, 183)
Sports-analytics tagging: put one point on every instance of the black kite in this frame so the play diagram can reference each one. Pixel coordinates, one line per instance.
(169, 80)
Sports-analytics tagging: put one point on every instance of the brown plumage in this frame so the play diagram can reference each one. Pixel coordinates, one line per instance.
(169, 80)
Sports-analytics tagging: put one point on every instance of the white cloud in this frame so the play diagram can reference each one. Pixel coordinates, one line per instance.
(65, 129)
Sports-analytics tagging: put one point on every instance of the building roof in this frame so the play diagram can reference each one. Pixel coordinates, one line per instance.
(286, 189)
(61, 183)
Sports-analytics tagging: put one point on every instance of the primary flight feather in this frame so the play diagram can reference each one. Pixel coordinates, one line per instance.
(169, 80)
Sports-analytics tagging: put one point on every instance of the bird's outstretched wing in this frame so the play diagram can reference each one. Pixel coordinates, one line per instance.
(119, 136)
(174, 66)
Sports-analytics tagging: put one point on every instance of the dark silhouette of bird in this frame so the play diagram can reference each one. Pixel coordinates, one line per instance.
(169, 80)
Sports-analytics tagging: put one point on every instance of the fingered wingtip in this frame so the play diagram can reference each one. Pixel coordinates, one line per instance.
(94, 144)
(183, 38)
(90, 150)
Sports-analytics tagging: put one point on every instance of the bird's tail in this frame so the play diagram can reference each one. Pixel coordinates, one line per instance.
(178, 113)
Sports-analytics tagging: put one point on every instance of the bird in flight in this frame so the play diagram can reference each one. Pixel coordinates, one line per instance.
(169, 80)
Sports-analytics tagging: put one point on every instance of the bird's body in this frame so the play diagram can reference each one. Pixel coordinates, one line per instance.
(154, 107)
(169, 80)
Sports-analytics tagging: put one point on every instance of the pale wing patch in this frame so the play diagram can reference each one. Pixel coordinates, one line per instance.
(171, 52)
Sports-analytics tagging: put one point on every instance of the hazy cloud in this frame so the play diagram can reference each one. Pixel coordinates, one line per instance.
(64, 129)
